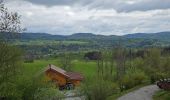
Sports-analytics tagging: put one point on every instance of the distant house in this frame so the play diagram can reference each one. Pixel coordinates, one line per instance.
(61, 77)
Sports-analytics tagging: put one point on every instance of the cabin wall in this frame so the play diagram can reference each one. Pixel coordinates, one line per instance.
(75, 82)
(57, 77)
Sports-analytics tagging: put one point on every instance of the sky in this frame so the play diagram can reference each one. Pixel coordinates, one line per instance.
(107, 17)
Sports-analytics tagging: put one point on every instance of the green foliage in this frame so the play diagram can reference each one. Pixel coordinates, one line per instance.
(131, 80)
(120, 59)
(139, 63)
(9, 91)
(66, 61)
(152, 62)
(48, 94)
(94, 87)
(38, 89)
(98, 89)
(10, 66)
(105, 65)
(157, 76)
(162, 95)
(165, 68)
(30, 88)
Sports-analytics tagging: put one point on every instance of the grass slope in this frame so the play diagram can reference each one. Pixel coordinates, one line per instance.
(162, 95)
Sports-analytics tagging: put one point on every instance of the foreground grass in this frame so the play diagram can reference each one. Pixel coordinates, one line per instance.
(162, 95)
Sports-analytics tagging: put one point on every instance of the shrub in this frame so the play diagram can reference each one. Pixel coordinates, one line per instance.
(48, 94)
(157, 76)
(98, 89)
(133, 79)
(93, 55)
(38, 88)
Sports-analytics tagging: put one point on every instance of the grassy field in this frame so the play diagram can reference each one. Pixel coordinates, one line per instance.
(162, 95)
(86, 68)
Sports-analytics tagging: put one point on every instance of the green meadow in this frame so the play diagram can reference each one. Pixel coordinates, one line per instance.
(86, 68)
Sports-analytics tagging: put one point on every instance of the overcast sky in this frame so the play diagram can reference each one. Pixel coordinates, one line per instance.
(116, 17)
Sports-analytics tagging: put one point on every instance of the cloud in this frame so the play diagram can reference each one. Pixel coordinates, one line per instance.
(67, 18)
(118, 5)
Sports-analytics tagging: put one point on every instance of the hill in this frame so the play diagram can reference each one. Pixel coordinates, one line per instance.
(159, 36)
(129, 40)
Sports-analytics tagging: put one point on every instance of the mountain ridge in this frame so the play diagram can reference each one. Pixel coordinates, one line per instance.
(158, 35)
(129, 40)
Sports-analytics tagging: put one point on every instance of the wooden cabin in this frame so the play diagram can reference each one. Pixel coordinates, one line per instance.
(62, 77)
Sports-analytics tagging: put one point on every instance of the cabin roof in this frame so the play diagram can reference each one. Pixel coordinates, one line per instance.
(57, 69)
(74, 76)
(70, 75)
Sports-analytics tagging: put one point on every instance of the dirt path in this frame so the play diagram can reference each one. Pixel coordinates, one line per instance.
(144, 93)
(71, 95)
(75, 98)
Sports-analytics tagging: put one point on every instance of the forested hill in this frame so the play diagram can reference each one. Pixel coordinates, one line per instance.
(159, 36)
(77, 36)
(133, 40)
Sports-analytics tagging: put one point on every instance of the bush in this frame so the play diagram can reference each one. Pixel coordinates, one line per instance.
(38, 88)
(98, 89)
(157, 76)
(93, 55)
(133, 79)
(10, 67)
(48, 94)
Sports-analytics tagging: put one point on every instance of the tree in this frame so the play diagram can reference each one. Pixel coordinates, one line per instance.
(9, 21)
(96, 88)
(105, 65)
(66, 61)
(166, 66)
(120, 64)
(100, 65)
(152, 62)
(120, 60)
(9, 55)
(94, 55)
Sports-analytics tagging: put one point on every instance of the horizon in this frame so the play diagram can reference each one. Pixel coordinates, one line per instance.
(118, 17)
(94, 33)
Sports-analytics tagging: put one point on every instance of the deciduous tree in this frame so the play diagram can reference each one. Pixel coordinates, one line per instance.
(9, 55)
